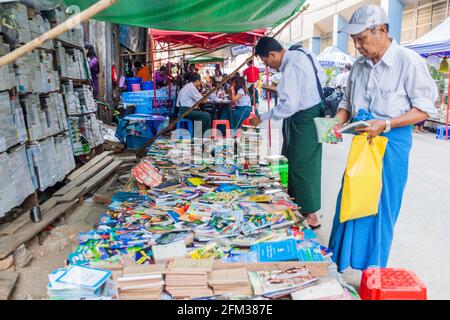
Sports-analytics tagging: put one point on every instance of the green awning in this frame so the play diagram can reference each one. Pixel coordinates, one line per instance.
(197, 15)
(205, 60)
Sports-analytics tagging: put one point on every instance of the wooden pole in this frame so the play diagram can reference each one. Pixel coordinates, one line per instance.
(57, 31)
(141, 151)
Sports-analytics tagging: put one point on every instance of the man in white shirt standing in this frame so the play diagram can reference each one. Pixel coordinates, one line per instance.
(300, 101)
(391, 88)
(342, 78)
(188, 96)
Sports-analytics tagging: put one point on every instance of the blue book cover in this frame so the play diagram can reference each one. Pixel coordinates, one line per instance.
(285, 250)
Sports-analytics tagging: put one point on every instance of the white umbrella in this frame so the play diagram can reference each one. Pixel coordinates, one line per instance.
(334, 57)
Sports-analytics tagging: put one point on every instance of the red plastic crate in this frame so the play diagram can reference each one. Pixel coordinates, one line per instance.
(391, 284)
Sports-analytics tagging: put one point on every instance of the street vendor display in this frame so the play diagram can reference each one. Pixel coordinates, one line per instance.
(198, 230)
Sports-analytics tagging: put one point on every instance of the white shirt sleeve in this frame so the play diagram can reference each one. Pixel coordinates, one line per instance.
(345, 102)
(289, 95)
(421, 88)
(195, 94)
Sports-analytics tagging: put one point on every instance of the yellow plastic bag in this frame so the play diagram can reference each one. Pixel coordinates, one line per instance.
(363, 178)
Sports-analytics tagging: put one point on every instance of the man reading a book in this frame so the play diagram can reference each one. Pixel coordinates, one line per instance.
(300, 98)
(390, 88)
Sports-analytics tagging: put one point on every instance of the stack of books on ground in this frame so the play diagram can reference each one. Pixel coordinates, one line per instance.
(188, 278)
(230, 281)
(329, 289)
(141, 282)
(80, 283)
(280, 283)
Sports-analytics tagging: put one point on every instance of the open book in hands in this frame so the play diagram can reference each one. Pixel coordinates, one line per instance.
(330, 131)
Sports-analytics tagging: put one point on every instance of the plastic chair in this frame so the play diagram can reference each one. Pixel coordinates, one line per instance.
(441, 132)
(216, 123)
(184, 124)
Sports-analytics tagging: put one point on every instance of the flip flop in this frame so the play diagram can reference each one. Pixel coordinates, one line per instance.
(315, 227)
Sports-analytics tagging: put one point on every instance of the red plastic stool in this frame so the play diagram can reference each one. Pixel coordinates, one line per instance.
(216, 123)
(391, 284)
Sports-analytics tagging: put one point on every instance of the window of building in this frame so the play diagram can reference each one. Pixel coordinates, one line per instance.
(327, 40)
(421, 16)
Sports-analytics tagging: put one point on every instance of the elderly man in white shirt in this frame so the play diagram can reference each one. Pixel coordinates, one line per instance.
(391, 87)
(300, 101)
(187, 97)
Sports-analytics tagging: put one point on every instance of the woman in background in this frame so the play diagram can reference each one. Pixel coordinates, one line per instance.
(94, 66)
(241, 97)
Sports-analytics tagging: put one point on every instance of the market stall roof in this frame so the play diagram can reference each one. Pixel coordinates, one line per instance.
(205, 60)
(197, 15)
(334, 57)
(437, 41)
(207, 40)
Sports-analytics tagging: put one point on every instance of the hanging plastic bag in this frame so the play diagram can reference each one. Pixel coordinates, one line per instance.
(363, 178)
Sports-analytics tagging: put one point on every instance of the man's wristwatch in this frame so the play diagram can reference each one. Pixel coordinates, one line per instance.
(388, 126)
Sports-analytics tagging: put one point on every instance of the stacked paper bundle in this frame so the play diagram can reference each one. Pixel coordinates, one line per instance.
(32, 69)
(8, 128)
(20, 174)
(230, 281)
(71, 99)
(54, 106)
(71, 62)
(86, 99)
(249, 145)
(20, 14)
(7, 75)
(79, 282)
(75, 35)
(64, 155)
(45, 162)
(38, 26)
(16, 182)
(75, 135)
(36, 117)
(7, 194)
(187, 278)
(91, 129)
(141, 282)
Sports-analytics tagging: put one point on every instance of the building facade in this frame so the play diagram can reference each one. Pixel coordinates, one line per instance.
(318, 27)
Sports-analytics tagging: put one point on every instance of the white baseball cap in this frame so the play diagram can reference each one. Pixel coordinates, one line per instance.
(364, 18)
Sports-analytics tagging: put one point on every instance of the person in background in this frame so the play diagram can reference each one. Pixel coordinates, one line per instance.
(188, 96)
(190, 72)
(391, 88)
(142, 71)
(241, 97)
(299, 103)
(341, 79)
(218, 76)
(161, 77)
(252, 76)
(94, 66)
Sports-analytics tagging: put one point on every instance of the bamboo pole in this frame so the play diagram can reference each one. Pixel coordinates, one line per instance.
(141, 151)
(57, 31)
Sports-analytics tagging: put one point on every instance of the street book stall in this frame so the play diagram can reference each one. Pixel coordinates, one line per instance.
(203, 218)
(436, 43)
(203, 221)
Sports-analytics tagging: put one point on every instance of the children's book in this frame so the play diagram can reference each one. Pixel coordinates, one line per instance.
(84, 277)
(285, 250)
(351, 127)
(326, 130)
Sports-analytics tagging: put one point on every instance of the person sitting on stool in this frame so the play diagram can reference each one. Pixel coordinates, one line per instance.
(188, 96)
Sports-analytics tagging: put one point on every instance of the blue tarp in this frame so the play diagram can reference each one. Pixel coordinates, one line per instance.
(437, 41)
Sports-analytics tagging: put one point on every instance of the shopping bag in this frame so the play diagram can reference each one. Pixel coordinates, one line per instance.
(363, 178)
